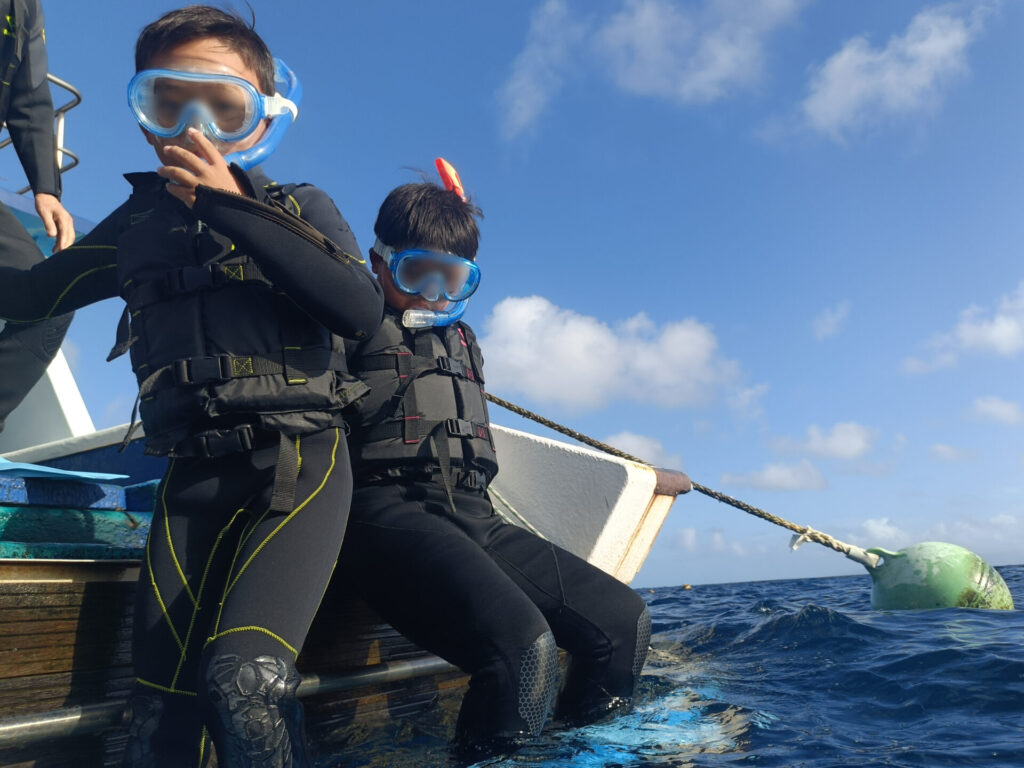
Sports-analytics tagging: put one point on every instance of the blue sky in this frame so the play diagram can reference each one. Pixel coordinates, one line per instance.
(774, 243)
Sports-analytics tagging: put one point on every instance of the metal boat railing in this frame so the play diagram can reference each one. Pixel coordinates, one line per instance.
(24, 730)
(59, 117)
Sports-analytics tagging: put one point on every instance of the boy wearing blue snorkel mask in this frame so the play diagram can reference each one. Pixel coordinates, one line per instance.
(233, 303)
(424, 544)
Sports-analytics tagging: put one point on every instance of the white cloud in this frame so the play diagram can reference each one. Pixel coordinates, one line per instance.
(682, 52)
(555, 355)
(882, 533)
(721, 544)
(992, 408)
(861, 86)
(690, 54)
(999, 332)
(709, 540)
(945, 452)
(846, 440)
(994, 538)
(780, 477)
(747, 401)
(650, 449)
(936, 363)
(830, 321)
(686, 539)
(539, 70)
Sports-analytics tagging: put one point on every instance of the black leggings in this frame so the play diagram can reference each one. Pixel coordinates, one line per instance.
(488, 596)
(25, 348)
(227, 592)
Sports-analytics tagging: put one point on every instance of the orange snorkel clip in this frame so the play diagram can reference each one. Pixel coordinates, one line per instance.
(450, 177)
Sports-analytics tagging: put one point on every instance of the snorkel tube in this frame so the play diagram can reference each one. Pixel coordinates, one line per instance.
(285, 84)
(429, 318)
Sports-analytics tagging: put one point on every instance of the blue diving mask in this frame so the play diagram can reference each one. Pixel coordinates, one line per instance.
(225, 108)
(433, 275)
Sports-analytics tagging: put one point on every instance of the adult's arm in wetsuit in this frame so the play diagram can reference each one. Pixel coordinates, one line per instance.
(81, 274)
(29, 113)
(328, 280)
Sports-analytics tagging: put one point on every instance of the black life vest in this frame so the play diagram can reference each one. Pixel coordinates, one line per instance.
(217, 351)
(426, 404)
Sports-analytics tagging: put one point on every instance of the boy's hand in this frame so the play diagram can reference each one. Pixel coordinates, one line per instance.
(204, 166)
(56, 220)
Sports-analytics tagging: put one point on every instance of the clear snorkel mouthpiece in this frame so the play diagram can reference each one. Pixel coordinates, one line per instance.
(429, 318)
(285, 102)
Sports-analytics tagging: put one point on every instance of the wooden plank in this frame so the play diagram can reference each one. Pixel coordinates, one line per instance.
(78, 684)
(73, 638)
(65, 640)
(68, 570)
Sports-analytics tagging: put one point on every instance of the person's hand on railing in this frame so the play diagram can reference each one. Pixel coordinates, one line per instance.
(58, 222)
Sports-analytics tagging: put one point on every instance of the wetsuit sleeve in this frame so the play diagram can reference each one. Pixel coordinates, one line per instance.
(81, 274)
(30, 113)
(319, 210)
(329, 282)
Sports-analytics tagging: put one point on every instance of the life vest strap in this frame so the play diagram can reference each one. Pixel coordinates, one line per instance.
(192, 279)
(423, 427)
(414, 365)
(298, 365)
(216, 442)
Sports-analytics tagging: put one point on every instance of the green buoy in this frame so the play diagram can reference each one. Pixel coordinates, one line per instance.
(934, 574)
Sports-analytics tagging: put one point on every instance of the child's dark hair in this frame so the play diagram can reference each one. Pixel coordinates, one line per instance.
(194, 22)
(426, 214)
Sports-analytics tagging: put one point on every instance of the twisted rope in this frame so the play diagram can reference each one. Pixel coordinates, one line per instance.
(805, 532)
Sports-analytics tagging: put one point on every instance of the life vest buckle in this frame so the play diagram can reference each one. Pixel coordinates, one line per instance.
(189, 279)
(460, 428)
(455, 367)
(200, 370)
(220, 442)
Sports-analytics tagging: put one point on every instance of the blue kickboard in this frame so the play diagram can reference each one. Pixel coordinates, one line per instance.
(18, 469)
(67, 494)
(47, 492)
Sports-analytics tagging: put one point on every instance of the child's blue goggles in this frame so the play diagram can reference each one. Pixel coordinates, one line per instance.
(225, 108)
(430, 274)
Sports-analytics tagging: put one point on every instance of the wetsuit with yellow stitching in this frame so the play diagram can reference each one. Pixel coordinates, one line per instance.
(230, 582)
(224, 576)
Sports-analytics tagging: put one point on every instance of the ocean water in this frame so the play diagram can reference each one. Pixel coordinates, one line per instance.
(797, 673)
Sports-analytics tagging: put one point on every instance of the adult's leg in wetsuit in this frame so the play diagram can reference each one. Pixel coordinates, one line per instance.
(442, 590)
(25, 348)
(228, 590)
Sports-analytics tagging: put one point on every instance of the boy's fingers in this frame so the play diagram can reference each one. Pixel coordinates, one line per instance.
(188, 160)
(177, 175)
(206, 149)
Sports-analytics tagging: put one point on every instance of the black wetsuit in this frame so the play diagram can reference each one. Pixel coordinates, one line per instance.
(486, 595)
(229, 583)
(25, 103)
